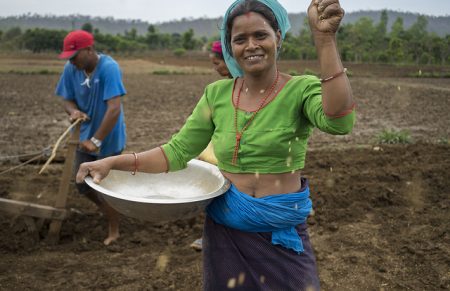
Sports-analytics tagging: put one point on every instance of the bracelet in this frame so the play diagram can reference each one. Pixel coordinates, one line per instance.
(334, 76)
(96, 142)
(135, 164)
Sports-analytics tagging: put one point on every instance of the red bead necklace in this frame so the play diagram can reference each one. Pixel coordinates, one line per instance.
(240, 133)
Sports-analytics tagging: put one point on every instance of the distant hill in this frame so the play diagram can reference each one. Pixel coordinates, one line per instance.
(202, 26)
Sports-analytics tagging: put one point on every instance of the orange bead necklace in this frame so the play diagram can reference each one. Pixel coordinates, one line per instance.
(236, 107)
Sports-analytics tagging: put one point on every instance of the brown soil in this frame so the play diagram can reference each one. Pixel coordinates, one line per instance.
(381, 218)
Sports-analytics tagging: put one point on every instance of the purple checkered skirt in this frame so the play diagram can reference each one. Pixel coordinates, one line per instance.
(237, 260)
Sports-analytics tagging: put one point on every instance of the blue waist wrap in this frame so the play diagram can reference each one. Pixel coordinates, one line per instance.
(278, 214)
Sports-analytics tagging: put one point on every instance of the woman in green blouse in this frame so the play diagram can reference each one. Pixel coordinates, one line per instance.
(255, 234)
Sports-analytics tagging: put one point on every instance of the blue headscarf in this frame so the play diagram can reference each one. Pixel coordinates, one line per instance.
(283, 23)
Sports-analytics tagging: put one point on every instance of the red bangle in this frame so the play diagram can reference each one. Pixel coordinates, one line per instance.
(334, 76)
(135, 164)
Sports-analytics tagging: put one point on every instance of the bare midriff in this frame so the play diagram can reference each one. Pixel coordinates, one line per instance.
(260, 185)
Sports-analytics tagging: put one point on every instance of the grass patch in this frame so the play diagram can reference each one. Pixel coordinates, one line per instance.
(168, 72)
(175, 72)
(391, 136)
(307, 71)
(443, 140)
(31, 72)
(438, 75)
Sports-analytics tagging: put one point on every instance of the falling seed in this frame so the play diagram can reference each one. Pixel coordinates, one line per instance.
(296, 139)
(290, 149)
(231, 283)
(262, 279)
(257, 175)
(293, 172)
(161, 263)
(330, 183)
(296, 206)
(331, 169)
(262, 91)
(398, 88)
(241, 278)
(288, 161)
(277, 183)
(290, 142)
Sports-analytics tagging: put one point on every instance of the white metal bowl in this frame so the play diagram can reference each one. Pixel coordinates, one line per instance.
(163, 197)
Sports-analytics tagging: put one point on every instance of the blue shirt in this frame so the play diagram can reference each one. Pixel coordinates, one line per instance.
(91, 98)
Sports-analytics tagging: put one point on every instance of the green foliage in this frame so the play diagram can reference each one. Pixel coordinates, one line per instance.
(179, 52)
(39, 40)
(161, 72)
(432, 74)
(362, 41)
(131, 35)
(188, 41)
(366, 41)
(12, 33)
(87, 27)
(443, 140)
(167, 72)
(391, 136)
(306, 71)
(33, 72)
(310, 72)
(290, 51)
(397, 30)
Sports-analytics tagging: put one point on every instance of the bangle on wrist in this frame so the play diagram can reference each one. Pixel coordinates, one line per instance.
(323, 80)
(135, 164)
(96, 142)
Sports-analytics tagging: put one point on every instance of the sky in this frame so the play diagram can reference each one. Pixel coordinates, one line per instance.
(155, 11)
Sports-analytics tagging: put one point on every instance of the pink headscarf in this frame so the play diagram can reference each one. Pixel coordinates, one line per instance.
(216, 47)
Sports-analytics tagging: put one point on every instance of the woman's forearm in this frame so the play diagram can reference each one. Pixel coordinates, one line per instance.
(152, 161)
(337, 94)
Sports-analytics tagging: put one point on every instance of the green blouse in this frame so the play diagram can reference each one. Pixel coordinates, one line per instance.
(274, 142)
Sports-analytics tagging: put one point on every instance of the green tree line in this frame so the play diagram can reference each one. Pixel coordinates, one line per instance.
(365, 41)
(39, 40)
(362, 41)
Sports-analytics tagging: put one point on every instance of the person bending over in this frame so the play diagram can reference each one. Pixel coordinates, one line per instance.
(91, 88)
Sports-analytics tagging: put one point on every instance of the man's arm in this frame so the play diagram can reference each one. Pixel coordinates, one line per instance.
(71, 108)
(109, 120)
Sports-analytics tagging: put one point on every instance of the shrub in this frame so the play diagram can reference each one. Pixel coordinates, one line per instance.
(168, 72)
(310, 72)
(293, 72)
(444, 140)
(432, 74)
(391, 136)
(179, 52)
